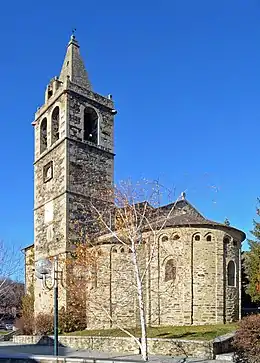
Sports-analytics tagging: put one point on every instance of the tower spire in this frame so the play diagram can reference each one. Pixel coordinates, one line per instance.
(73, 65)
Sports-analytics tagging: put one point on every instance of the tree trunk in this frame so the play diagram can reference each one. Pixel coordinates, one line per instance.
(144, 347)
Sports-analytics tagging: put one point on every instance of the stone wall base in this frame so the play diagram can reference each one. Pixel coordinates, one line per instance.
(173, 347)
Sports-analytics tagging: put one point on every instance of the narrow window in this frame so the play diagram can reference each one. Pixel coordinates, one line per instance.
(170, 271)
(48, 172)
(231, 273)
(50, 93)
(226, 240)
(55, 120)
(43, 135)
(197, 237)
(209, 238)
(164, 239)
(90, 125)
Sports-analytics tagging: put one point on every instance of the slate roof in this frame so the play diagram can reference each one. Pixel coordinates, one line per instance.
(184, 214)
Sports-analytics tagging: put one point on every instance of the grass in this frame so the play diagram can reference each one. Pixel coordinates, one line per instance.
(202, 332)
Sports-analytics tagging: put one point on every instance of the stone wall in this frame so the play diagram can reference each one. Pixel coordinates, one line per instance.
(197, 295)
(29, 267)
(232, 253)
(50, 203)
(173, 347)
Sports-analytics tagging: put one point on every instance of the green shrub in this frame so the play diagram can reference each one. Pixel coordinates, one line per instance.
(26, 323)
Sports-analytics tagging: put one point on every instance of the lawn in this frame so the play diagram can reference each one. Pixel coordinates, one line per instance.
(202, 332)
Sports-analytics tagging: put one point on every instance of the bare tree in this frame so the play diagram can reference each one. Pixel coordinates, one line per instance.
(11, 291)
(136, 220)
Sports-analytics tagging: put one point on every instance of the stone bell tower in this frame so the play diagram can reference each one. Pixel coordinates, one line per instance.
(74, 156)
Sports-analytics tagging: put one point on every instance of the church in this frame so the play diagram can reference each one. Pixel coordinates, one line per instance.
(195, 275)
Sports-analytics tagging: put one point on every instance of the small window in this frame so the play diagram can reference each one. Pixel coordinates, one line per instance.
(197, 237)
(170, 271)
(50, 93)
(43, 135)
(231, 273)
(165, 239)
(209, 238)
(235, 243)
(122, 250)
(176, 237)
(48, 172)
(90, 132)
(226, 240)
(114, 250)
(55, 120)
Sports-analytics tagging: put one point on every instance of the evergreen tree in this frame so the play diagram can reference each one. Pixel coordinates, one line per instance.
(252, 261)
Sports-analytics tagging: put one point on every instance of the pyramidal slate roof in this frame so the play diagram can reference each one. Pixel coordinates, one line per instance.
(73, 66)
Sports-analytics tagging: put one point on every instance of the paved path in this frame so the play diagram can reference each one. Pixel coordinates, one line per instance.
(39, 350)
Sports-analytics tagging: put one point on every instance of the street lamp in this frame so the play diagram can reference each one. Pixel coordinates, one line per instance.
(48, 272)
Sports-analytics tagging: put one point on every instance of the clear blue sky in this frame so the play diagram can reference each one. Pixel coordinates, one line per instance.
(185, 76)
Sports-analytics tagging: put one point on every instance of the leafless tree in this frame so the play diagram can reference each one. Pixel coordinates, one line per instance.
(11, 291)
(136, 220)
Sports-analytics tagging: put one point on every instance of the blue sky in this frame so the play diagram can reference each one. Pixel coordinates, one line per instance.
(185, 76)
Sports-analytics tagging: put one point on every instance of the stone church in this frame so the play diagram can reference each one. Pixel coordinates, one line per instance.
(195, 276)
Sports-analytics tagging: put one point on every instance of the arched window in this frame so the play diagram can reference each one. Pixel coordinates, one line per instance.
(170, 271)
(55, 120)
(209, 238)
(176, 237)
(165, 238)
(226, 239)
(43, 135)
(90, 125)
(197, 237)
(231, 271)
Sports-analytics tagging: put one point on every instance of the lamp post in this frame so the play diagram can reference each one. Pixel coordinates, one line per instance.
(48, 272)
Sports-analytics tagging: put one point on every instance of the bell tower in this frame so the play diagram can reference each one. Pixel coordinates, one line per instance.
(74, 154)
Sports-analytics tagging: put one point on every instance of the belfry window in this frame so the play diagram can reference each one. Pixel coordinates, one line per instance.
(170, 271)
(231, 271)
(90, 125)
(43, 135)
(55, 120)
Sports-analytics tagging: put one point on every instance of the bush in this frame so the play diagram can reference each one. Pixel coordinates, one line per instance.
(72, 320)
(25, 326)
(43, 324)
(26, 323)
(247, 340)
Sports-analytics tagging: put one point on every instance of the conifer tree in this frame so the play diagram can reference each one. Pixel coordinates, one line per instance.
(252, 260)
